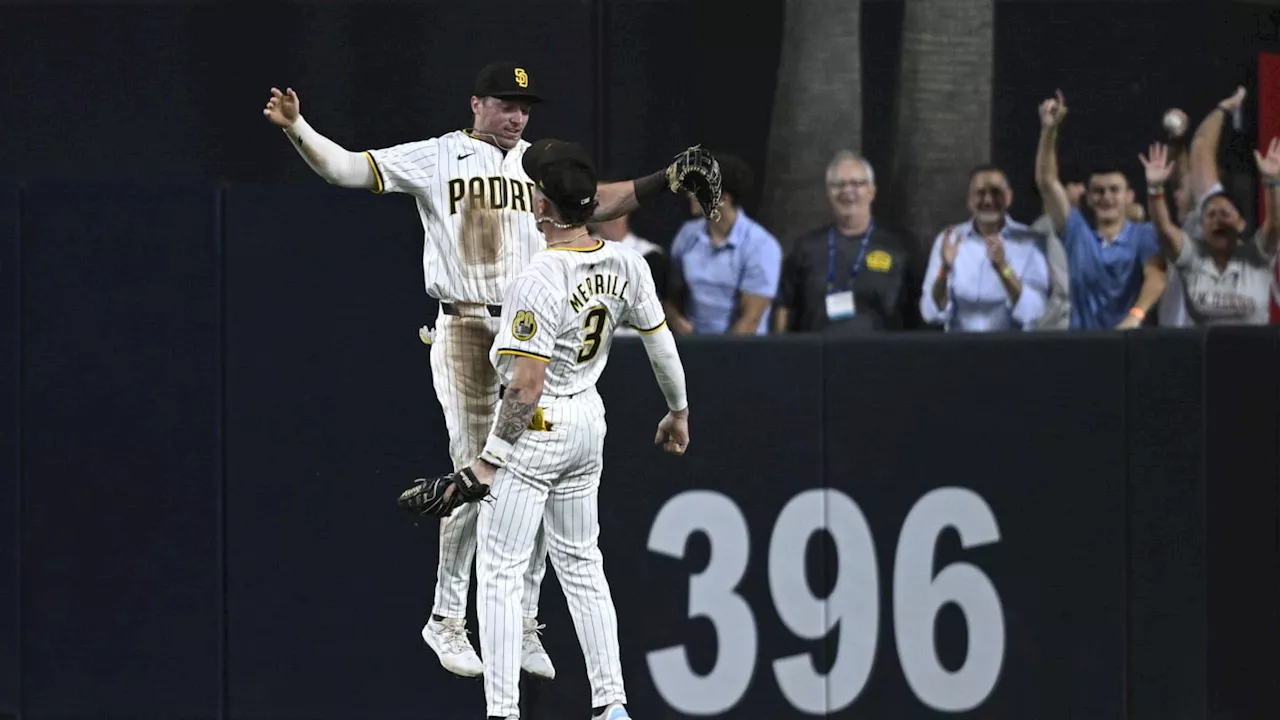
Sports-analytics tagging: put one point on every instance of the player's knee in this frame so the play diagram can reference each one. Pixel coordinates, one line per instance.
(578, 558)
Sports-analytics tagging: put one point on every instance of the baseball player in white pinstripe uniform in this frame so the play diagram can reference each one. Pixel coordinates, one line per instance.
(476, 205)
(543, 458)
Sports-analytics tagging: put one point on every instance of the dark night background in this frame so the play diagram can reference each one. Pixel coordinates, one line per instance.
(211, 385)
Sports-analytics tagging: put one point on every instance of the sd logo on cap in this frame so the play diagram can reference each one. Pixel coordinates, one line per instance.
(505, 80)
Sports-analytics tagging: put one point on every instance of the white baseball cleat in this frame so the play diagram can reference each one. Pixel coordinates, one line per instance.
(613, 712)
(448, 638)
(534, 658)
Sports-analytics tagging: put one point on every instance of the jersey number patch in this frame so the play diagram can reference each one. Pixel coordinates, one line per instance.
(593, 325)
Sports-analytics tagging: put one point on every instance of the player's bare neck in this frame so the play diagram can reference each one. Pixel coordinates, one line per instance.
(571, 238)
(485, 137)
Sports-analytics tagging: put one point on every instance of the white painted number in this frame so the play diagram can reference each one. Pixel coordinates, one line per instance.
(918, 595)
(853, 606)
(852, 609)
(712, 595)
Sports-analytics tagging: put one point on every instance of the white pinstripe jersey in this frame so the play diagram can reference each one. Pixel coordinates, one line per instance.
(454, 178)
(564, 307)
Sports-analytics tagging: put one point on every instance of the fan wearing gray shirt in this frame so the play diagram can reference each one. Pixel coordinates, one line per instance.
(1195, 179)
(1225, 281)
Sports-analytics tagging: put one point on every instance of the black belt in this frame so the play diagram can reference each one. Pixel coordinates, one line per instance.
(451, 309)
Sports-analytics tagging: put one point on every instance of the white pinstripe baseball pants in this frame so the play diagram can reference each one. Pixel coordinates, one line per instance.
(552, 482)
(467, 387)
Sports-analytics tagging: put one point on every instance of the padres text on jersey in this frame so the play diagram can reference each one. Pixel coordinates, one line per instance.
(476, 205)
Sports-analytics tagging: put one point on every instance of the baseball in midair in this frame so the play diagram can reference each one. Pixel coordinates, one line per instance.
(1175, 122)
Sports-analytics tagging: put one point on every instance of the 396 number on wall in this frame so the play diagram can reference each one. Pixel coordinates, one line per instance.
(852, 608)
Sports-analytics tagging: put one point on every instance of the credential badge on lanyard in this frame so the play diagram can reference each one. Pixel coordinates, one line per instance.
(840, 303)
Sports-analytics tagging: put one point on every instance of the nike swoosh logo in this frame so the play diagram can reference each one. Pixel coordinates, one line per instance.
(466, 156)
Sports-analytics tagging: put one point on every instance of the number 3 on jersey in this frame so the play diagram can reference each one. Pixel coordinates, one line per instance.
(593, 330)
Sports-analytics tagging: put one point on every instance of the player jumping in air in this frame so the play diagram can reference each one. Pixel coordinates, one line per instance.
(543, 458)
(479, 231)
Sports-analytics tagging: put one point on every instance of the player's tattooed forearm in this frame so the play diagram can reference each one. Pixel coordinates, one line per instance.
(514, 416)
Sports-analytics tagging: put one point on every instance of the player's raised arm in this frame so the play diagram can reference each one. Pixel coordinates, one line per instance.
(337, 165)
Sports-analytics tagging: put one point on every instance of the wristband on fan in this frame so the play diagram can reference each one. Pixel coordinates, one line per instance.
(1138, 313)
(496, 451)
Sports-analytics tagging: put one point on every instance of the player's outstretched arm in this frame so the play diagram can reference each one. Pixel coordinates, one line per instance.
(673, 430)
(694, 170)
(613, 200)
(337, 165)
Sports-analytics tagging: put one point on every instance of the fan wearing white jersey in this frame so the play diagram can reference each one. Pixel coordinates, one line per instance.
(544, 456)
(476, 205)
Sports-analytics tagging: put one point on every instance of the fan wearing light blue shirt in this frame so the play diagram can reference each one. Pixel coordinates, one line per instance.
(987, 274)
(1117, 271)
(724, 273)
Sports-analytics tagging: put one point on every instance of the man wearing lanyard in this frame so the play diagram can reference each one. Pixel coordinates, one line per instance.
(988, 274)
(848, 276)
(841, 304)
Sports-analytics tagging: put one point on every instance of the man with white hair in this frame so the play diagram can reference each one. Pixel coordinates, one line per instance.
(849, 275)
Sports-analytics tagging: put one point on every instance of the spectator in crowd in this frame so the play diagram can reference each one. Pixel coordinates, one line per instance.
(724, 273)
(849, 275)
(1227, 282)
(619, 230)
(1116, 270)
(1170, 310)
(1275, 292)
(1194, 178)
(1057, 305)
(988, 273)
